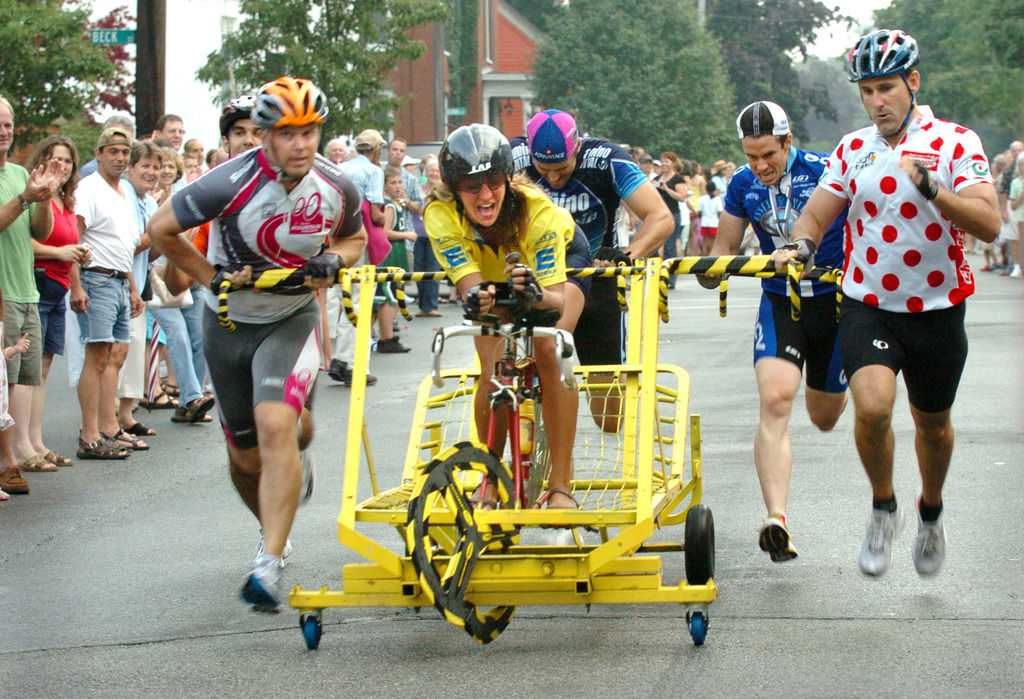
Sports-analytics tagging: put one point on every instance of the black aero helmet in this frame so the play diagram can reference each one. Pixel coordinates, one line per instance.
(880, 53)
(474, 149)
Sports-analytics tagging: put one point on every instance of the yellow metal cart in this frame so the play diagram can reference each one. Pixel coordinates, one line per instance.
(646, 476)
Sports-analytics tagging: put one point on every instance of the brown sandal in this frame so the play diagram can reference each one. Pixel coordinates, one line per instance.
(37, 464)
(55, 458)
(126, 441)
(101, 449)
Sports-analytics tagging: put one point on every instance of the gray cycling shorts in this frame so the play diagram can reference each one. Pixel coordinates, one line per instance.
(275, 361)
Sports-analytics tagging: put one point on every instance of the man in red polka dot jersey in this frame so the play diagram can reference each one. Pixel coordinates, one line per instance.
(915, 185)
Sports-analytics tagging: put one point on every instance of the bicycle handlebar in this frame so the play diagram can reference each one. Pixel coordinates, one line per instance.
(564, 346)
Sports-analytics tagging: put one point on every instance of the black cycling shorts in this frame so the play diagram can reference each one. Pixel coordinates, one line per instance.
(275, 361)
(930, 348)
(812, 339)
(599, 333)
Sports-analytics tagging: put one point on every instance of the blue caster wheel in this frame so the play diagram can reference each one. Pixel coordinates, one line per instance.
(698, 627)
(312, 629)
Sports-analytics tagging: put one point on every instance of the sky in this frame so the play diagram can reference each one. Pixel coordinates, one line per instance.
(835, 39)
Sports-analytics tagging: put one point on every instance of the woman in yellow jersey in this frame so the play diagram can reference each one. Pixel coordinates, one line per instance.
(478, 215)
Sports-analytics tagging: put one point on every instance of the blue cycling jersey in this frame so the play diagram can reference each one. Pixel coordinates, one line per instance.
(605, 174)
(773, 209)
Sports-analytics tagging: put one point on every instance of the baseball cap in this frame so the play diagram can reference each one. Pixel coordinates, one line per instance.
(552, 136)
(762, 118)
(370, 138)
(114, 136)
(409, 160)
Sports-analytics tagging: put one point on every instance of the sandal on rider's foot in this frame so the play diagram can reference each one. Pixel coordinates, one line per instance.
(101, 449)
(545, 497)
(480, 501)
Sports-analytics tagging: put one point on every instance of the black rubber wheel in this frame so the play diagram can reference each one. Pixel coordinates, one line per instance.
(699, 545)
(441, 490)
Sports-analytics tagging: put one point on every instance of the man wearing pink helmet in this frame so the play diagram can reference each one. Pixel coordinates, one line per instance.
(915, 185)
(590, 177)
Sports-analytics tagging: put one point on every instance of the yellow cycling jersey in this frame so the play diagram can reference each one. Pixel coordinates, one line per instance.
(461, 251)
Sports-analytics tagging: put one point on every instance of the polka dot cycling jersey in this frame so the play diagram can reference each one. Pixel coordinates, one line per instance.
(902, 254)
(256, 222)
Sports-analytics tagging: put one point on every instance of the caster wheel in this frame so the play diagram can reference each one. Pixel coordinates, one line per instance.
(699, 545)
(698, 627)
(312, 629)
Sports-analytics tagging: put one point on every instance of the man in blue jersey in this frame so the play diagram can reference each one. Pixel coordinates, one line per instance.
(590, 177)
(769, 192)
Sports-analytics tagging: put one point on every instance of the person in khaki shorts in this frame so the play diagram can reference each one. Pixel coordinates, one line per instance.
(21, 219)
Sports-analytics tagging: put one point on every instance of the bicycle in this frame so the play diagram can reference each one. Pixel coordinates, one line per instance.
(442, 523)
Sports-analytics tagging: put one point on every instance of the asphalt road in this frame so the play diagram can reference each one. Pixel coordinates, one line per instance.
(121, 578)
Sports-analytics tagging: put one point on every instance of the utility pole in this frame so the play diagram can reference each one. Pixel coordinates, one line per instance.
(150, 47)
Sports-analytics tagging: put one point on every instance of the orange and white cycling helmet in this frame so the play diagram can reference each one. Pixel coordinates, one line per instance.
(289, 101)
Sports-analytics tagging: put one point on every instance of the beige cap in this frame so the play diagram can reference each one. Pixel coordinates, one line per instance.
(717, 167)
(369, 138)
(114, 136)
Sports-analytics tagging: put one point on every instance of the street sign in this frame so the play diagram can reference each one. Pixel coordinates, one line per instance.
(111, 36)
(455, 111)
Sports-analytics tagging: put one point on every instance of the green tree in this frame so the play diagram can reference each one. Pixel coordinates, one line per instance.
(760, 40)
(349, 48)
(624, 83)
(538, 12)
(972, 61)
(48, 68)
(463, 68)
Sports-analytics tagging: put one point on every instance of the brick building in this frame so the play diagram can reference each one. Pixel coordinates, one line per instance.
(506, 43)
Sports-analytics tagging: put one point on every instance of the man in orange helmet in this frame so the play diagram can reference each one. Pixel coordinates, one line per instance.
(278, 206)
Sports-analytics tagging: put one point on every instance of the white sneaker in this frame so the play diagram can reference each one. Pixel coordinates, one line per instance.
(875, 553)
(929, 549)
(262, 587)
(775, 539)
(284, 554)
(1015, 274)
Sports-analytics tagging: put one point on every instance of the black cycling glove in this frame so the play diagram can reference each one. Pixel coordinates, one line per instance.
(532, 293)
(471, 304)
(324, 265)
(804, 249)
(927, 187)
(613, 255)
(218, 278)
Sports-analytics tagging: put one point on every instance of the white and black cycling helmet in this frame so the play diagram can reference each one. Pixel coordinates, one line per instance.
(475, 149)
(880, 53)
(762, 118)
(236, 110)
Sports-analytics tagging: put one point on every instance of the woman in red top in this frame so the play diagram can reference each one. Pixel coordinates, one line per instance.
(54, 257)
